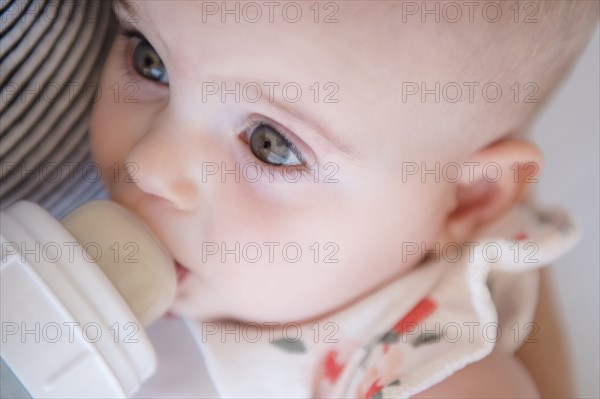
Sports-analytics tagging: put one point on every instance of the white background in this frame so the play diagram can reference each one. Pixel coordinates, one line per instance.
(568, 133)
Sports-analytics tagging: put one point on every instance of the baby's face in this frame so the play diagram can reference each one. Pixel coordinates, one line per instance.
(288, 201)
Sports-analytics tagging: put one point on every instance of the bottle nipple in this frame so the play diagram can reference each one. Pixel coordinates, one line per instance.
(131, 257)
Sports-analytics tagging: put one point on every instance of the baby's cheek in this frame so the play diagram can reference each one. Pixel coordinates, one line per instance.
(101, 141)
(115, 129)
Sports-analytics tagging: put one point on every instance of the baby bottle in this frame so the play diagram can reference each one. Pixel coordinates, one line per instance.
(76, 296)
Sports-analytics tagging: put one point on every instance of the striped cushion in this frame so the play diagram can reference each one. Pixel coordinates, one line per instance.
(51, 52)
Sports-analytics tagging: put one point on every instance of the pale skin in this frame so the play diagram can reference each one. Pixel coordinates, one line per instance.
(175, 131)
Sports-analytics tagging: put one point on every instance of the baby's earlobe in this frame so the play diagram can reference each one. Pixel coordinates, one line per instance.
(497, 177)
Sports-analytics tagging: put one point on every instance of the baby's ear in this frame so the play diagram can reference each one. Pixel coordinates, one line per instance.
(493, 180)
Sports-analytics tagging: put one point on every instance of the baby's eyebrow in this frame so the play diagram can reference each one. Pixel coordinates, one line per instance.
(296, 113)
(284, 107)
(314, 124)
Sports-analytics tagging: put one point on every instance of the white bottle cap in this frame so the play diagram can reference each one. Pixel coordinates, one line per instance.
(66, 329)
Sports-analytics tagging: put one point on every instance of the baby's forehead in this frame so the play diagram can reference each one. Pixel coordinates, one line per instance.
(360, 31)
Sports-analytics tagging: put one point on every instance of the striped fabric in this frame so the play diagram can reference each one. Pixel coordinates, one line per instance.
(51, 52)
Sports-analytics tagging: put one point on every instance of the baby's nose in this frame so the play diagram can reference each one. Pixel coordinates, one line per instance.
(158, 166)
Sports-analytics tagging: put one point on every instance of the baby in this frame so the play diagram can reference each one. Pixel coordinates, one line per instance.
(323, 164)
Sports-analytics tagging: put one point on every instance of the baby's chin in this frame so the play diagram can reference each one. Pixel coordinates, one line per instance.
(197, 302)
(195, 311)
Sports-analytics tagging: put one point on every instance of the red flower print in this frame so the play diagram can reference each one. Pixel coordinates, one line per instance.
(373, 389)
(520, 237)
(417, 314)
(333, 369)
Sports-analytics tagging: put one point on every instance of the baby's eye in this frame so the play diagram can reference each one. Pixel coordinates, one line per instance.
(271, 147)
(148, 64)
